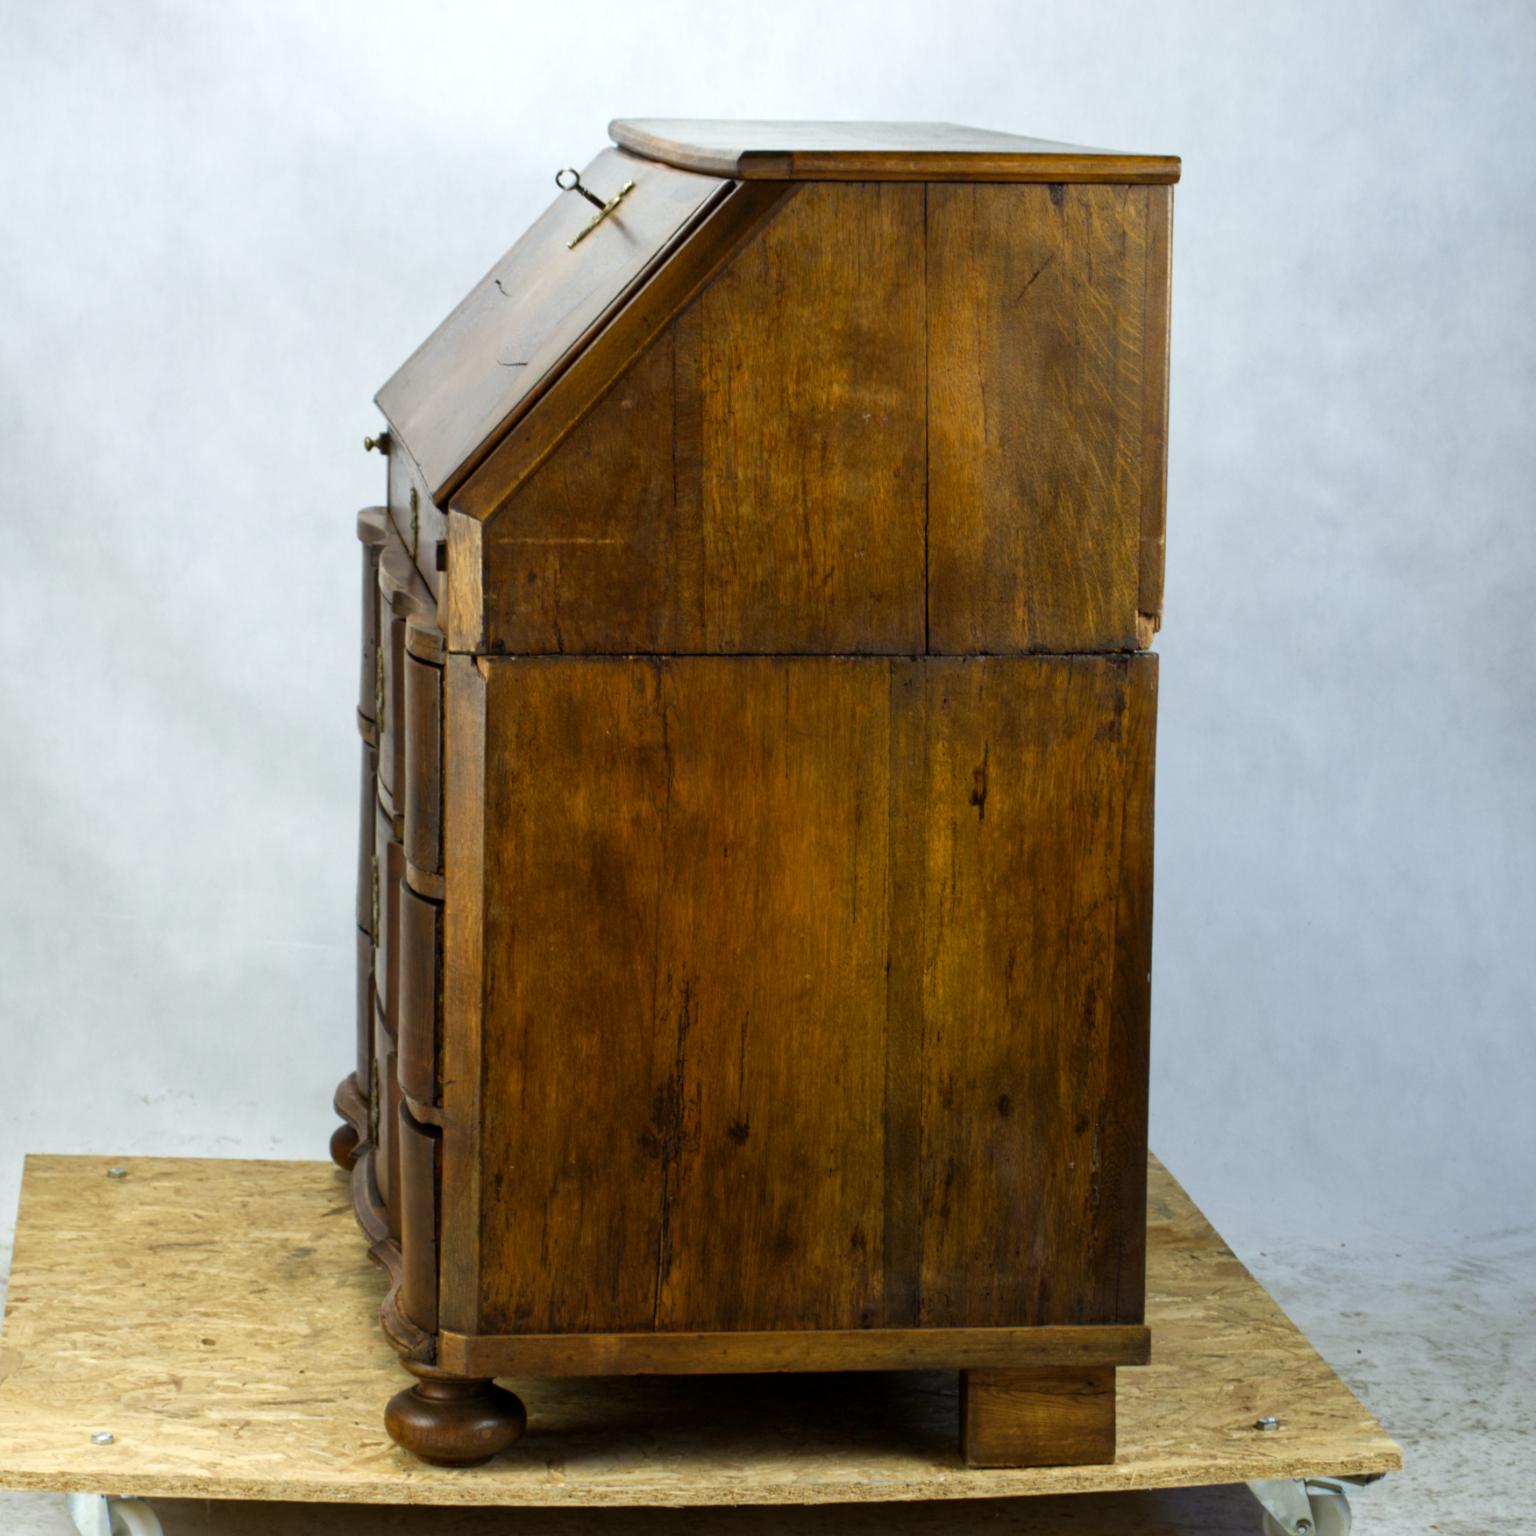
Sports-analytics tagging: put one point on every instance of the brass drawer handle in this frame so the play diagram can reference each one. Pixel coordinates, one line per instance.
(603, 209)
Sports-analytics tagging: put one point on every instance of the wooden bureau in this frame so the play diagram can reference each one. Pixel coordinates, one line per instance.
(755, 893)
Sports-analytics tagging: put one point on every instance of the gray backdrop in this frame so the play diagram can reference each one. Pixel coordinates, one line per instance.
(225, 225)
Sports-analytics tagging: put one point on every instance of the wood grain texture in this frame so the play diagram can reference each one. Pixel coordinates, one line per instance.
(754, 481)
(576, 781)
(1037, 1417)
(708, 837)
(423, 764)
(769, 946)
(491, 358)
(1021, 1041)
(851, 1349)
(464, 614)
(800, 382)
(462, 1049)
(156, 1306)
(390, 862)
(418, 1165)
(832, 954)
(690, 263)
(1037, 352)
(961, 448)
(854, 151)
(420, 996)
(1154, 410)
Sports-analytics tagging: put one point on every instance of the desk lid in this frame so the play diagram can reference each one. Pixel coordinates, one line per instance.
(832, 151)
(488, 362)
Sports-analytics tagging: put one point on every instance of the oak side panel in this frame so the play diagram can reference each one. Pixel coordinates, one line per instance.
(815, 992)
(1032, 1090)
(687, 265)
(577, 1050)
(593, 553)
(1036, 335)
(684, 1026)
(754, 480)
(806, 361)
(771, 953)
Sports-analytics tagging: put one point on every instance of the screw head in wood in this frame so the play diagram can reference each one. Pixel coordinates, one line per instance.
(102, 1437)
(1267, 1423)
(117, 1173)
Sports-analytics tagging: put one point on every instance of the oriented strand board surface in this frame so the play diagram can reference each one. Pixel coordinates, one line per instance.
(218, 1318)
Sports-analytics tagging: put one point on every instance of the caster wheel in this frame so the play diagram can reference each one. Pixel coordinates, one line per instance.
(94, 1514)
(132, 1518)
(1330, 1514)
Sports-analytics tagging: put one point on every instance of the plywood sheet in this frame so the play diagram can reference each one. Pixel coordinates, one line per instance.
(218, 1317)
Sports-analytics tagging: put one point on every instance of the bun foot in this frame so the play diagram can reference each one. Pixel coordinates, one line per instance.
(344, 1140)
(454, 1422)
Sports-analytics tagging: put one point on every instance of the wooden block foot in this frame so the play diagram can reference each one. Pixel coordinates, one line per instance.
(1038, 1418)
(455, 1422)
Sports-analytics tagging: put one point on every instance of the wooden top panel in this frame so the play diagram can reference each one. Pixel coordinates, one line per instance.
(494, 355)
(827, 151)
(220, 1318)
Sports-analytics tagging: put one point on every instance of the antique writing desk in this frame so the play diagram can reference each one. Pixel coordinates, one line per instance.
(755, 896)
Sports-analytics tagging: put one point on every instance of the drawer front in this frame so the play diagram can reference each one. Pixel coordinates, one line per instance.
(371, 532)
(420, 994)
(423, 795)
(367, 888)
(402, 598)
(392, 700)
(386, 1122)
(417, 1187)
(364, 1012)
(391, 867)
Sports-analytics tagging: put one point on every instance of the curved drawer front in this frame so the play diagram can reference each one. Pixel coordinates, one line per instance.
(368, 809)
(391, 872)
(372, 532)
(385, 1102)
(364, 1013)
(420, 995)
(417, 1175)
(422, 797)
